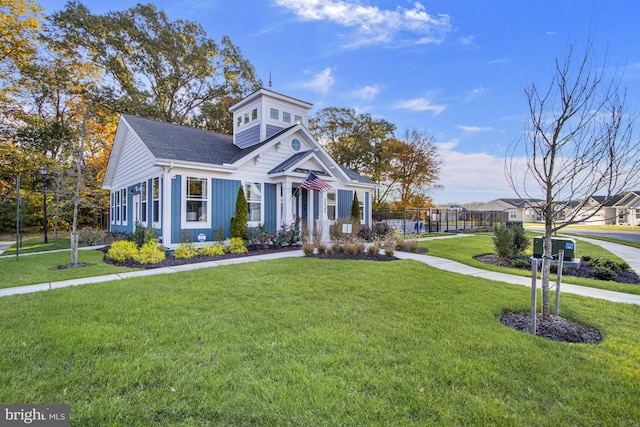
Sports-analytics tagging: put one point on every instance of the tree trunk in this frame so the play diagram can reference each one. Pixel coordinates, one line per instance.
(76, 199)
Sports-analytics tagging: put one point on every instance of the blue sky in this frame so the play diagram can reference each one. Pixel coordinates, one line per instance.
(456, 69)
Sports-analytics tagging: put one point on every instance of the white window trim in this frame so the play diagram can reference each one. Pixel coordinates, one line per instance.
(158, 222)
(125, 206)
(183, 206)
(244, 188)
(113, 208)
(144, 203)
(334, 204)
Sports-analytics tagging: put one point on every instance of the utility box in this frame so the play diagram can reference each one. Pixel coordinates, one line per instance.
(557, 244)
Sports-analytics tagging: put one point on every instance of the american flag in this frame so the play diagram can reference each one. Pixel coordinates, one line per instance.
(312, 182)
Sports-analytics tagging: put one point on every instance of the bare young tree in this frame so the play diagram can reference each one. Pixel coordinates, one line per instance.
(577, 143)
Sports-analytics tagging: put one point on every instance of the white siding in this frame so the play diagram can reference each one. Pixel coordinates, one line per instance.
(135, 163)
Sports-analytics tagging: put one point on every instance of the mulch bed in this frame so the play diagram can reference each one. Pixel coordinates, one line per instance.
(553, 328)
(585, 270)
(173, 261)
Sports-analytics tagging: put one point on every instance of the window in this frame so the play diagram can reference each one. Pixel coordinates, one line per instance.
(253, 193)
(196, 199)
(239, 122)
(113, 208)
(118, 207)
(254, 114)
(124, 206)
(143, 203)
(274, 114)
(361, 203)
(331, 205)
(298, 119)
(155, 209)
(286, 117)
(246, 118)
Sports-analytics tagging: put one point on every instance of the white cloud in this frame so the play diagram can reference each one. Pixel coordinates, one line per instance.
(371, 24)
(320, 82)
(367, 92)
(475, 92)
(474, 129)
(419, 104)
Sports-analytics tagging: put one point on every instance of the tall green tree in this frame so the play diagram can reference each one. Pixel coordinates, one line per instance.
(238, 224)
(356, 141)
(161, 69)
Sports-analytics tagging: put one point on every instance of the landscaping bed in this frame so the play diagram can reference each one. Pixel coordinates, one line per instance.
(584, 271)
(554, 328)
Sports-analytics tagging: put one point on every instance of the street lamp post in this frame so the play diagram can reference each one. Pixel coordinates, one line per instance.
(44, 171)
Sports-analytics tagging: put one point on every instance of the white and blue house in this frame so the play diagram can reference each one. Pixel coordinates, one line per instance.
(174, 178)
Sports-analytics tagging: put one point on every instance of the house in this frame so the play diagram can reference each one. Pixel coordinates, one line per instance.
(175, 178)
(520, 210)
(617, 210)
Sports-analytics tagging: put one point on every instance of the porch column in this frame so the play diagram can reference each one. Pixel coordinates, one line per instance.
(165, 209)
(287, 215)
(310, 214)
(324, 219)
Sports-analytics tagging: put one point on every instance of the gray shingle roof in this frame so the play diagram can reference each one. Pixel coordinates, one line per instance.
(183, 143)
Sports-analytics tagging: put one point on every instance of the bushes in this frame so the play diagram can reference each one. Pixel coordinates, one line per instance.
(185, 251)
(212, 250)
(510, 241)
(122, 250)
(151, 253)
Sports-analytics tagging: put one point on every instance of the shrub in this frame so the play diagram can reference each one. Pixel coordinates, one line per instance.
(366, 233)
(138, 234)
(150, 234)
(218, 234)
(503, 242)
(185, 251)
(122, 250)
(603, 273)
(307, 248)
(91, 237)
(151, 253)
(238, 246)
(355, 208)
(520, 263)
(216, 249)
(186, 236)
(520, 240)
(239, 221)
(382, 229)
(400, 243)
(322, 248)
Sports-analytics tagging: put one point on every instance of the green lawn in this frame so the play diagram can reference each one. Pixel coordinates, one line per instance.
(32, 244)
(464, 249)
(42, 268)
(314, 342)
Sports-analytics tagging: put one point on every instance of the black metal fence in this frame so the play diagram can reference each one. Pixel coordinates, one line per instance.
(419, 221)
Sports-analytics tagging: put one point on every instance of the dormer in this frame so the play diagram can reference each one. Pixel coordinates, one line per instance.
(265, 113)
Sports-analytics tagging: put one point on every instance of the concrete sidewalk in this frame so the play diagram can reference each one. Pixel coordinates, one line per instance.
(440, 263)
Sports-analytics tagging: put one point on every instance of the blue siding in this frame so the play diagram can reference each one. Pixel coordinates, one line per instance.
(271, 207)
(247, 138)
(224, 193)
(345, 200)
(176, 196)
(272, 130)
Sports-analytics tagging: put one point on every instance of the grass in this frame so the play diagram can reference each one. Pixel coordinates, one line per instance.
(464, 250)
(344, 343)
(32, 244)
(43, 268)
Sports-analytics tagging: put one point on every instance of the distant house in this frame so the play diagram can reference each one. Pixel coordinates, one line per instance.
(175, 178)
(520, 210)
(618, 210)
